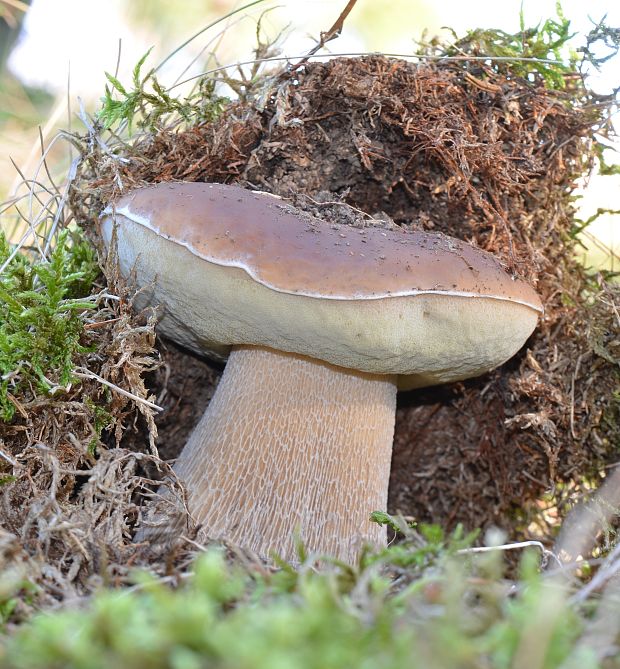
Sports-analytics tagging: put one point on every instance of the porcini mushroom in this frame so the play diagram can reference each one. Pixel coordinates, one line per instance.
(321, 323)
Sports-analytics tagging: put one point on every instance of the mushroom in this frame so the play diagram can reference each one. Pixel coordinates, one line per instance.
(321, 324)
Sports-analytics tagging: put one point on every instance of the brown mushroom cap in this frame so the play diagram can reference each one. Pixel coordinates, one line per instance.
(236, 267)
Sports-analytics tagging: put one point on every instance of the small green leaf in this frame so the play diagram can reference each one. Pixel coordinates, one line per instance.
(116, 83)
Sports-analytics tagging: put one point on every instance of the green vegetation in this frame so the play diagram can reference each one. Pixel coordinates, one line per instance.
(150, 102)
(546, 41)
(40, 323)
(457, 612)
(547, 50)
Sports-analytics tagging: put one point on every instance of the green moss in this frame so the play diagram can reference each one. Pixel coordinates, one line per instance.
(548, 41)
(40, 324)
(148, 102)
(457, 615)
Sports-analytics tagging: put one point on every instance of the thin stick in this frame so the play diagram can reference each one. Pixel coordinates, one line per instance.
(8, 458)
(328, 36)
(31, 224)
(118, 57)
(84, 373)
(508, 547)
(18, 246)
(218, 37)
(572, 396)
(61, 204)
(610, 568)
(44, 158)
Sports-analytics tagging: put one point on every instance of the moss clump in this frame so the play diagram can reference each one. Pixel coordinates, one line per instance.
(40, 322)
(152, 104)
(455, 614)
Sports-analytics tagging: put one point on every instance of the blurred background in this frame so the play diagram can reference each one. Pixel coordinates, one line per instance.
(53, 56)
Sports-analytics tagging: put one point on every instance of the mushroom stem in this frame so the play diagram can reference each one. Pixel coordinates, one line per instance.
(291, 445)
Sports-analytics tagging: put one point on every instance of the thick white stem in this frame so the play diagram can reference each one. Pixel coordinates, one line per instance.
(289, 444)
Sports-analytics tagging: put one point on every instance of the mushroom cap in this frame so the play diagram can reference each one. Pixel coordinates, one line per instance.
(236, 267)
